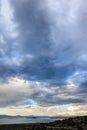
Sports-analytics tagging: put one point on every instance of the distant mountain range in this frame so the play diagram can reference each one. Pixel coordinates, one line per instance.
(7, 119)
(18, 116)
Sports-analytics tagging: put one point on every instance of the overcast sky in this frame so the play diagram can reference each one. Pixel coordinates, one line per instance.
(43, 57)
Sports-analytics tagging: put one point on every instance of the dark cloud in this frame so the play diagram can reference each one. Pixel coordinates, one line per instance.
(38, 56)
(50, 48)
(83, 88)
(50, 100)
(33, 27)
(43, 69)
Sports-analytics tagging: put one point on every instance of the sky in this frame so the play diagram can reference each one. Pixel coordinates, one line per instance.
(43, 57)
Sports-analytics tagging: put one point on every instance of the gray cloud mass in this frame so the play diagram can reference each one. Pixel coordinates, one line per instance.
(45, 43)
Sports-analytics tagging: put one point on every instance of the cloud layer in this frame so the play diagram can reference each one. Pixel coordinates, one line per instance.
(43, 44)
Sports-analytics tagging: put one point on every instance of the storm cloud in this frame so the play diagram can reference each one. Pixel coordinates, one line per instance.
(43, 42)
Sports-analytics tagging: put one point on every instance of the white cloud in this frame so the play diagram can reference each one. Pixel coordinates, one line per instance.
(7, 20)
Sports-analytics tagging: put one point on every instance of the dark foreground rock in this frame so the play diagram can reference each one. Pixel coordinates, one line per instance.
(76, 123)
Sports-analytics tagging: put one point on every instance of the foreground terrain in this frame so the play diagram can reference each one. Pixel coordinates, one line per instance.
(76, 123)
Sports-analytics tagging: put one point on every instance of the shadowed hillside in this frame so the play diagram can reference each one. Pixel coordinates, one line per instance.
(76, 123)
